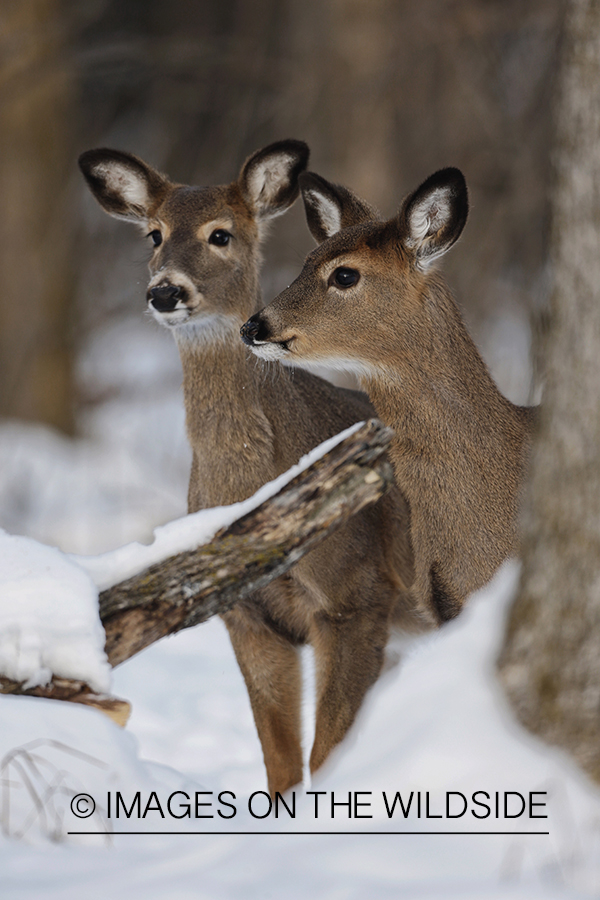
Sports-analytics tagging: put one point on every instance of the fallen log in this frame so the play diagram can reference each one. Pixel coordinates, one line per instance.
(75, 692)
(191, 587)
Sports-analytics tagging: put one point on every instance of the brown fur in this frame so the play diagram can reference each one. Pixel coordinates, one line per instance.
(248, 421)
(460, 448)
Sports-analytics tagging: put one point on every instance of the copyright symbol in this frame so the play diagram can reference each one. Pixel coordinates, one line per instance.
(83, 806)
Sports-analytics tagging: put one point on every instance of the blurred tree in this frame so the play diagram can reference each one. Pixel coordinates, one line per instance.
(384, 93)
(550, 663)
(36, 252)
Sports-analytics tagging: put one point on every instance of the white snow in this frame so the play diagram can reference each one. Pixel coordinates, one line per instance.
(191, 531)
(49, 621)
(437, 723)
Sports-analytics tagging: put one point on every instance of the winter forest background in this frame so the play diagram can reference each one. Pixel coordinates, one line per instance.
(384, 92)
(92, 444)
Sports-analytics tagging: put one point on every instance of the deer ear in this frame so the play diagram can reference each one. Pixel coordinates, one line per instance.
(433, 217)
(269, 178)
(124, 186)
(331, 207)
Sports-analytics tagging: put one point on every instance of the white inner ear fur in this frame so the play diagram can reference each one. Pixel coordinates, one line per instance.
(429, 215)
(266, 178)
(327, 210)
(129, 186)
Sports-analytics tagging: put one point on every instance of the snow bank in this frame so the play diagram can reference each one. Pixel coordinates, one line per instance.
(52, 752)
(436, 723)
(49, 621)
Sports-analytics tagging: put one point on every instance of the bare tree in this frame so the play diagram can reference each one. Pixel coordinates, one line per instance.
(550, 663)
(36, 115)
(383, 92)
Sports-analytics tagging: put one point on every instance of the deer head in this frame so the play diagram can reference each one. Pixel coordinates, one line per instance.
(362, 297)
(204, 240)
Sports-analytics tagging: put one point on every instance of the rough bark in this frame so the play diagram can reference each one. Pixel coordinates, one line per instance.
(550, 663)
(37, 105)
(75, 692)
(191, 587)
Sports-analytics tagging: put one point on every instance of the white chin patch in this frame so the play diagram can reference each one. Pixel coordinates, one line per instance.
(275, 352)
(172, 318)
(269, 351)
(208, 328)
(337, 363)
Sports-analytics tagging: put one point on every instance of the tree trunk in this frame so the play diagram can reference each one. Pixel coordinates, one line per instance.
(36, 161)
(550, 663)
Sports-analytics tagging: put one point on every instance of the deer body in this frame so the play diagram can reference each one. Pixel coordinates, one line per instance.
(368, 299)
(459, 454)
(248, 421)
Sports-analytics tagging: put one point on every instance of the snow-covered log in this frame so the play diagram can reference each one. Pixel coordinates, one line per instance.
(190, 587)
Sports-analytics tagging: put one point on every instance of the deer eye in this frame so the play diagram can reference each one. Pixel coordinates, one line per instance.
(344, 278)
(220, 237)
(156, 237)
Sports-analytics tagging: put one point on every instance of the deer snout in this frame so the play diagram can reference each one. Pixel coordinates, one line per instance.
(164, 298)
(255, 331)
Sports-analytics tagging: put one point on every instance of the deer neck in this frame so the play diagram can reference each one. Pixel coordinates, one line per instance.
(211, 370)
(227, 428)
(459, 452)
(220, 378)
(438, 386)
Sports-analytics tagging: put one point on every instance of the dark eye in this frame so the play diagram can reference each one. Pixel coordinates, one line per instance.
(156, 237)
(220, 237)
(344, 278)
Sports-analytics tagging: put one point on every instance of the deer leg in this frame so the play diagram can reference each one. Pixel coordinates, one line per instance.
(349, 650)
(271, 670)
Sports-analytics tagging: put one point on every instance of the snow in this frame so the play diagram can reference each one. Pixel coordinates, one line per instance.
(49, 621)
(191, 531)
(436, 723)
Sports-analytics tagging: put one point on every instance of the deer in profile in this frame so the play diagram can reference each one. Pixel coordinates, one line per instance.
(248, 421)
(369, 299)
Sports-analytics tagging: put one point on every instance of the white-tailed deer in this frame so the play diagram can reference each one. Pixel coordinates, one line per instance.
(368, 299)
(247, 422)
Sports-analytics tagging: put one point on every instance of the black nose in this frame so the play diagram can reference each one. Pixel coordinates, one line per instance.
(254, 330)
(165, 297)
